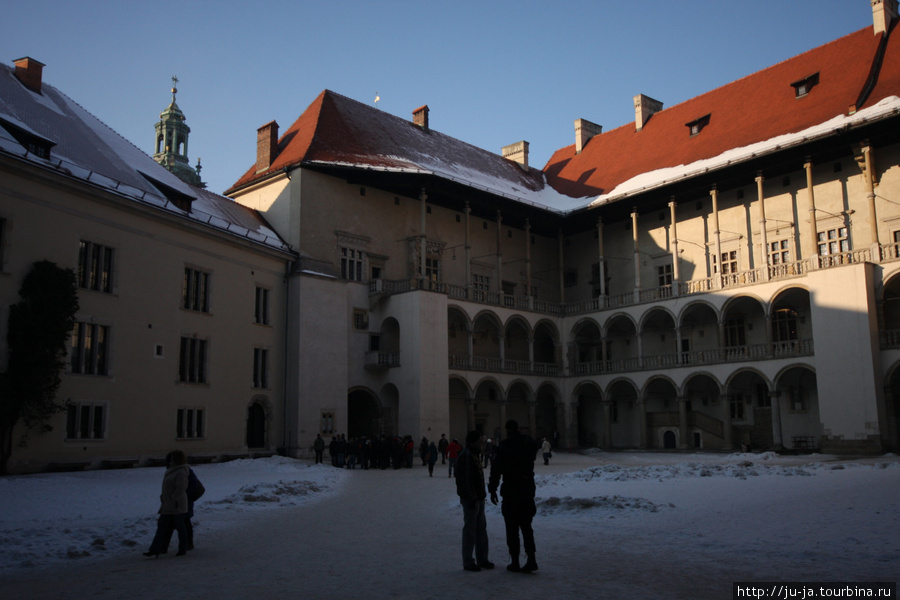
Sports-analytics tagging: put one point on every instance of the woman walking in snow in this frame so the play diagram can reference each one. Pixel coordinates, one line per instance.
(173, 505)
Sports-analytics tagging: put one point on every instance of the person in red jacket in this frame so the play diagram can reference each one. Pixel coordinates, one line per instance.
(453, 451)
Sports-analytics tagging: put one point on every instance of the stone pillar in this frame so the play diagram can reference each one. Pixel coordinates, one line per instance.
(726, 424)
(680, 357)
(468, 255)
(602, 264)
(532, 417)
(682, 423)
(528, 262)
(499, 286)
(503, 419)
(642, 412)
(764, 257)
(676, 271)
(423, 197)
(470, 414)
(719, 281)
(811, 247)
(870, 192)
(562, 268)
(470, 341)
(775, 398)
(607, 419)
(637, 256)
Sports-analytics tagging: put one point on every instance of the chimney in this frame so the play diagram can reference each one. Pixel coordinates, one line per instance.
(884, 12)
(585, 130)
(420, 117)
(28, 71)
(266, 145)
(644, 108)
(517, 152)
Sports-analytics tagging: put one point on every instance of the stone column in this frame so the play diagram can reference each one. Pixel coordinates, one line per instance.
(499, 286)
(607, 419)
(720, 281)
(528, 263)
(423, 197)
(602, 264)
(811, 247)
(870, 192)
(637, 256)
(532, 417)
(503, 419)
(726, 423)
(468, 256)
(470, 414)
(676, 271)
(642, 410)
(682, 423)
(562, 268)
(764, 257)
(775, 398)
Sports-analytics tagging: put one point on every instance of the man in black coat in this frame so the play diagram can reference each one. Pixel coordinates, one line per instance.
(470, 489)
(514, 463)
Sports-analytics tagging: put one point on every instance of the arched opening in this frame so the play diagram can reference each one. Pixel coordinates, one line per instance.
(670, 440)
(256, 426)
(363, 414)
(548, 418)
(798, 400)
(593, 425)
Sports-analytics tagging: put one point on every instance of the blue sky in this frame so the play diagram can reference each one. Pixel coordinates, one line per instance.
(492, 72)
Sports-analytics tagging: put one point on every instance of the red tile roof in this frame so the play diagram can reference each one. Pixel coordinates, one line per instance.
(337, 131)
(756, 108)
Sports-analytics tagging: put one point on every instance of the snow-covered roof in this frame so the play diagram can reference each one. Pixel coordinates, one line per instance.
(85, 148)
(336, 131)
(756, 115)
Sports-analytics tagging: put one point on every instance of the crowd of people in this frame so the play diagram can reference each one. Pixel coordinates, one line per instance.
(396, 452)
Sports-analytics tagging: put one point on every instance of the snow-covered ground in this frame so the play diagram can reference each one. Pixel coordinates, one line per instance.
(640, 525)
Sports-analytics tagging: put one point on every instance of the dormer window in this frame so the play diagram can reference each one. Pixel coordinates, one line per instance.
(803, 86)
(697, 125)
(29, 139)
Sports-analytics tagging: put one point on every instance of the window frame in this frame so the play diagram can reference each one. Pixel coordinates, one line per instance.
(195, 293)
(193, 366)
(190, 422)
(89, 345)
(76, 426)
(96, 264)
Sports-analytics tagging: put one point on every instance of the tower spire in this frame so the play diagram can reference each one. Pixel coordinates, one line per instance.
(172, 142)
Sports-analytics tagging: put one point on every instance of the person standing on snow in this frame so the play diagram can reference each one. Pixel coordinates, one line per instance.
(470, 489)
(453, 451)
(545, 450)
(514, 464)
(442, 448)
(432, 458)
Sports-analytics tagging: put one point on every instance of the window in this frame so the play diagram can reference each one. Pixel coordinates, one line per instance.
(779, 252)
(190, 423)
(260, 368)
(95, 264)
(433, 269)
(85, 421)
(90, 348)
(734, 333)
(326, 425)
(784, 325)
(570, 277)
(664, 275)
(481, 285)
(803, 86)
(360, 319)
(195, 294)
(737, 407)
(261, 313)
(192, 361)
(833, 241)
(697, 125)
(728, 261)
(352, 264)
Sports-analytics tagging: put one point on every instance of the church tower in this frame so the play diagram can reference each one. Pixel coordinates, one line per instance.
(172, 143)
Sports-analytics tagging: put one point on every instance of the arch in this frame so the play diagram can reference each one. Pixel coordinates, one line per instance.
(518, 339)
(743, 325)
(458, 328)
(798, 407)
(593, 421)
(459, 394)
(486, 332)
(890, 303)
(363, 413)
(259, 411)
(628, 426)
(698, 325)
(891, 437)
(549, 413)
(621, 342)
(747, 392)
(546, 343)
(658, 337)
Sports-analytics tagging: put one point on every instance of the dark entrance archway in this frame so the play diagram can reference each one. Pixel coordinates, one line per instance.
(256, 426)
(363, 414)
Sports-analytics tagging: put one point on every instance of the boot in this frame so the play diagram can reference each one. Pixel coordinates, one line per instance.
(514, 564)
(530, 565)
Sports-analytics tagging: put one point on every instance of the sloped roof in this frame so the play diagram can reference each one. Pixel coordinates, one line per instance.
(336, 131)
(760, 107)
(85, 148)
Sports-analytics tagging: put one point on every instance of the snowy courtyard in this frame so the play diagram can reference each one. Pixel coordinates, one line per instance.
(609, 525)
